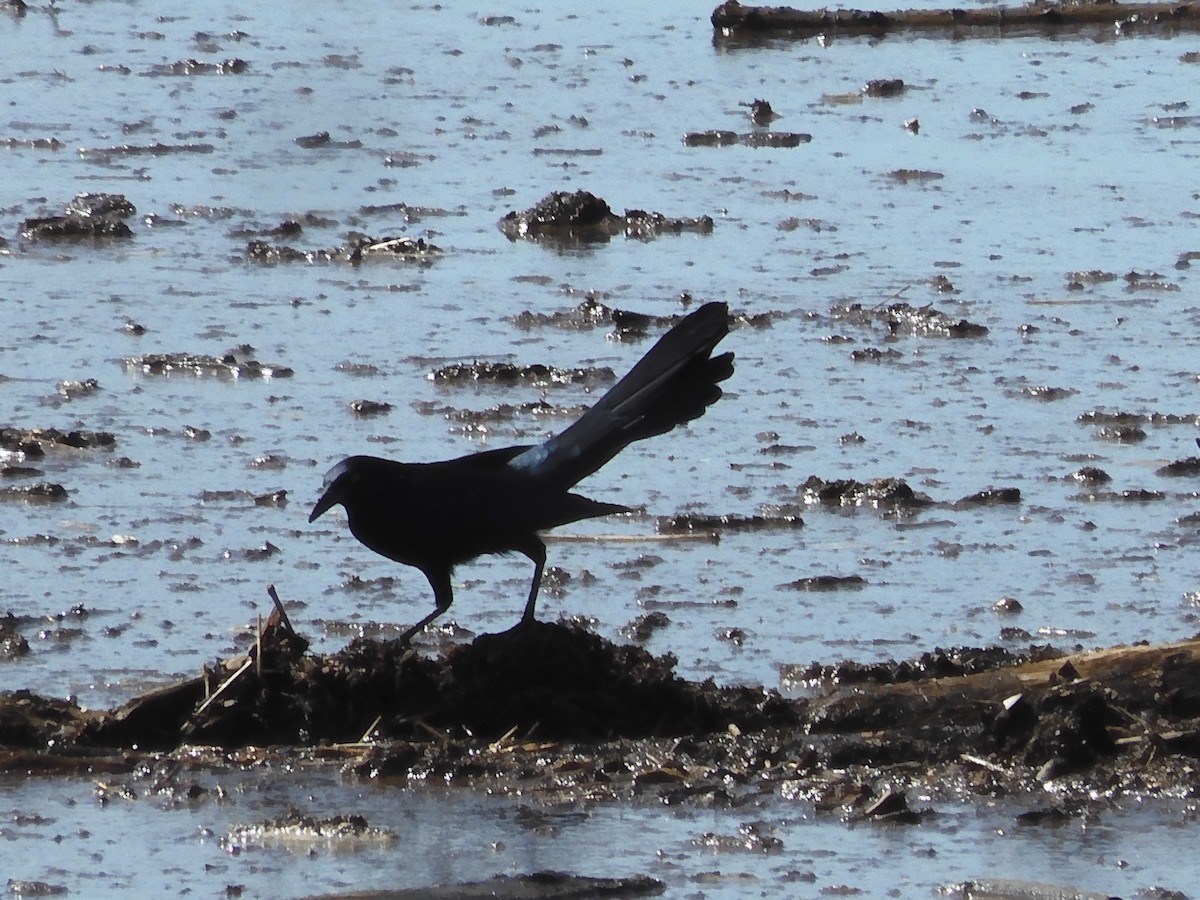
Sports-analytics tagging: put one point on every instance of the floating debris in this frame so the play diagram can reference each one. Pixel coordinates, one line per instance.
(732, 20)
(692, 523)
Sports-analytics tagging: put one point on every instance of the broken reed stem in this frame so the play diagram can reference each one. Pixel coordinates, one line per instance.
(283, 616)
(366, 738)
(500, 741)
(626, 538)
(980, 761)
(217, 693)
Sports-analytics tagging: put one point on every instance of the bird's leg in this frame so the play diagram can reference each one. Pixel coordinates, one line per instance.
(536, 551)
(443, 596)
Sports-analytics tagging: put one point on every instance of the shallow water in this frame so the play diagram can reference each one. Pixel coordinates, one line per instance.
(153, 844)
(1056, 156)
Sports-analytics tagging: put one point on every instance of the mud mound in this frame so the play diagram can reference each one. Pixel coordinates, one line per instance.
(569, 683)
(555, 681)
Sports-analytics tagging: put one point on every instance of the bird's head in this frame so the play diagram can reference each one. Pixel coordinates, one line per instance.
(340, 483)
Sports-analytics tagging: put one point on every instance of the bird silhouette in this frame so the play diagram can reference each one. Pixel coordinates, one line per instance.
(437, 515)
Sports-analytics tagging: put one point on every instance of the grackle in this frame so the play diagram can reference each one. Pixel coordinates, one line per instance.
(436, 515)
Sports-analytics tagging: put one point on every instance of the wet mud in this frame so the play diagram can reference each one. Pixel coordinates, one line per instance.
(554, 710)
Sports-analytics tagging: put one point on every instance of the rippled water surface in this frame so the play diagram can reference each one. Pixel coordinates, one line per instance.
(1048, 193)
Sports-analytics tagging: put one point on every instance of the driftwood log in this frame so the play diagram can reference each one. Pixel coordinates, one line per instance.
(733, 20)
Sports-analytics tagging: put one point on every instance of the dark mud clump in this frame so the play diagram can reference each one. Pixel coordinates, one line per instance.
(884, 87)
(41, 492)
(357, 249)
(827, 583)
(904, 319)
(237, 363)
(874, 354)
(86, 216)
(592, 313)
(936, 663)
(232, 66)
(365, 409)
(555, 681)
(1181, 468)
(508, 374)
(762, 113)
(1121, 434)
(34, 443)
(13, 644)
(991, 497)
(486, 421)
(626, 323)
(581, 216)
(271, 499)
(1101, 418)
(882, 493)
(757, 139)
(1091, 475)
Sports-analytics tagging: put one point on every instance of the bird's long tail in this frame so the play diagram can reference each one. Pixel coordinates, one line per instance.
(673, 383)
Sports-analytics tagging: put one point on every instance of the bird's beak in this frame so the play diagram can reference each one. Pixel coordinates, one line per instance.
(328, 499)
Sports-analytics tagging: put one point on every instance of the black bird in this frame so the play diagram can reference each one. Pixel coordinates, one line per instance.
(436, 515)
